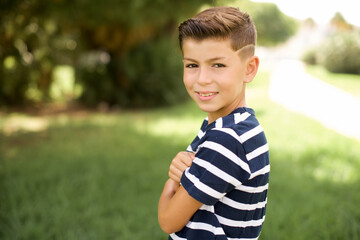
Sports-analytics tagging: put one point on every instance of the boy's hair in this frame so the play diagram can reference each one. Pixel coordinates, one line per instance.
(221, 23)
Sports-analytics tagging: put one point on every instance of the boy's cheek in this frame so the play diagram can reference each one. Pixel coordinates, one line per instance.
(188, 84)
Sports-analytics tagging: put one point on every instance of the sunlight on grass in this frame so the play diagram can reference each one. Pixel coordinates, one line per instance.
(16, 123)
(64, 87)
(336, 171)
(175, 128)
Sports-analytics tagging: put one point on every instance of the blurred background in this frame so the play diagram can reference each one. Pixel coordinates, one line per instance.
(93, 109)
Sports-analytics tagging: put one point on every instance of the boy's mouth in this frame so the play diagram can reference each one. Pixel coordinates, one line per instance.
(205, 96)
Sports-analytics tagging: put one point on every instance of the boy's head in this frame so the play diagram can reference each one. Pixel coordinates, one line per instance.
(221, 23)
(218, 48)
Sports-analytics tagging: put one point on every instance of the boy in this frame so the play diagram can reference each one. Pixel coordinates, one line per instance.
(218, 189)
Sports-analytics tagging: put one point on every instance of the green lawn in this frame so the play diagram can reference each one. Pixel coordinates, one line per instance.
(347, 82)
(99, 176)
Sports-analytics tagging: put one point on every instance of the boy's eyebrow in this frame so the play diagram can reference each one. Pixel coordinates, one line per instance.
(208, 60)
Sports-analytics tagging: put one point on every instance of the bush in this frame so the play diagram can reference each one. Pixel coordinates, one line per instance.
(154, 70)
(339, 54)
(13, 82)
(272, 25)
(310, 56)
(151, 75)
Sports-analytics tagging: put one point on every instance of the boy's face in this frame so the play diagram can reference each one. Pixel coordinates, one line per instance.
(214, 76)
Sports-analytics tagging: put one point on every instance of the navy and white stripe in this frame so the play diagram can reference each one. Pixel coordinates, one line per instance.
(230, 176)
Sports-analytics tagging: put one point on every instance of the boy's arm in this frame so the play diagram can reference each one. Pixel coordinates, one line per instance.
(176, 207)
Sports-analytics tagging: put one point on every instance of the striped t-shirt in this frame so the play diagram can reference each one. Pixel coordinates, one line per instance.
(230, 176)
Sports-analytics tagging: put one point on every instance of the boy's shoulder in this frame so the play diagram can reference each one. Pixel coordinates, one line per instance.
(233, 129)
(239, 137)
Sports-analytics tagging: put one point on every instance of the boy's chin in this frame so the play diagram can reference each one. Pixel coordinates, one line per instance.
(207, 109)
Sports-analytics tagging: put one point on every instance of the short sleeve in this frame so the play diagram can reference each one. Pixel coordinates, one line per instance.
(219, 166)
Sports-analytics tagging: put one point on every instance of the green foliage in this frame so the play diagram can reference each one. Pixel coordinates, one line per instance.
(339, 22)
(150, 75)
(338, 53)
(309, 56)
(272, 25)
(32, 45)
(155, 69)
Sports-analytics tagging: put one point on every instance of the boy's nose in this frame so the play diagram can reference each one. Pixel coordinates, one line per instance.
(204, 77)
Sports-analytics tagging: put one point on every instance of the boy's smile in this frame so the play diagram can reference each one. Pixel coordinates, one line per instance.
(206, 96)
(214, 76)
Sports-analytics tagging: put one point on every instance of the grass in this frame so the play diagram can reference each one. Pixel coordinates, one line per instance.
(347, 82)
(99, 176)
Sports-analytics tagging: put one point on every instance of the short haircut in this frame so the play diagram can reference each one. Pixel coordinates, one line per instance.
(221, 23)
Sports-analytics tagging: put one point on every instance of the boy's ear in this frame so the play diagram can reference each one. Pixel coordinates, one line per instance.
(251, 68)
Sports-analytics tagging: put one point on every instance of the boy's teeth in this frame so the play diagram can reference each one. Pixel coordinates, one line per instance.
(206, 94)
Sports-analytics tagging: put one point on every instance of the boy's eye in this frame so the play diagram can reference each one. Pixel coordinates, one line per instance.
(191, 65)
(219, 65)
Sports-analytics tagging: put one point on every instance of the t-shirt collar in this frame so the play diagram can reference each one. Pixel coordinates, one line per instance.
(219, 121)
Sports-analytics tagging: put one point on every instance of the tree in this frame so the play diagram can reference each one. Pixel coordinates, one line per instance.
(339, 23)
(32, 45)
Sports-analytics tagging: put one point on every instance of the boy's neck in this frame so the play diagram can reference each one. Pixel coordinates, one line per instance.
(213, 117)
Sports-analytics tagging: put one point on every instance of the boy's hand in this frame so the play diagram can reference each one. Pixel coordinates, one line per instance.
(178, 165)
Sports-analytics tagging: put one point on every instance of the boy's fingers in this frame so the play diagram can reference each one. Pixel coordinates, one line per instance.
(177, 170)
(187, 161)
(181, 164)
(174, 177)
(183, 158)
(188, 158)
(182, 161)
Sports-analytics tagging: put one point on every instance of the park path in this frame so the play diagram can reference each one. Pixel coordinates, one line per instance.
(298, 91)
(292, 87)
